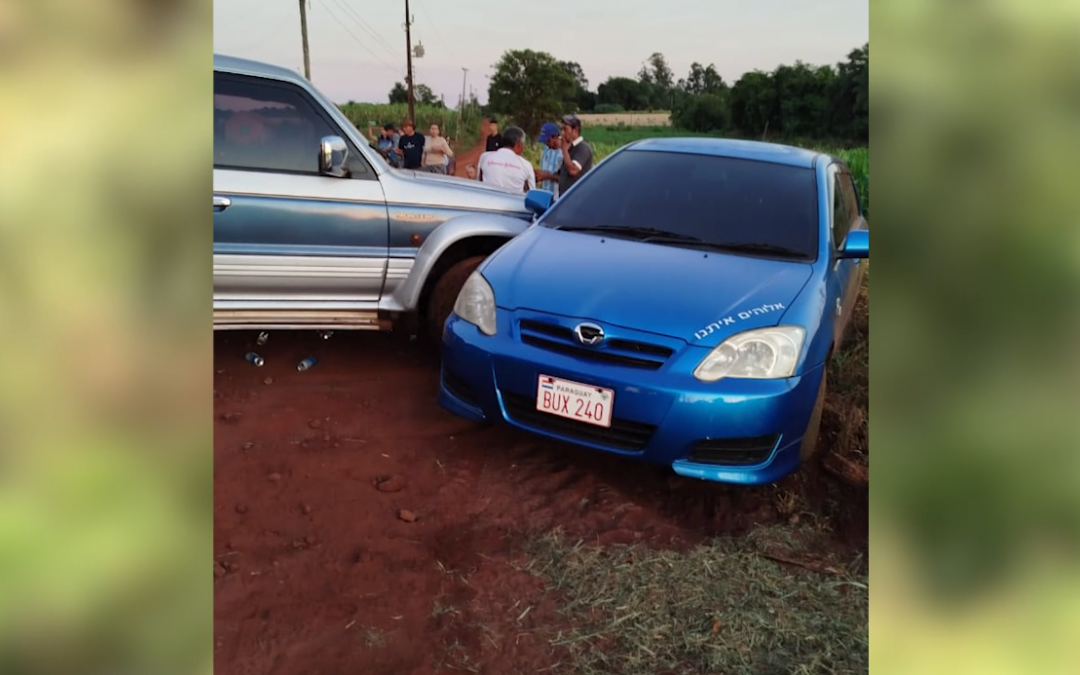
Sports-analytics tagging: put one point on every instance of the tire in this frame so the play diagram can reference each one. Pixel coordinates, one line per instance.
(813, 429)
(445, 294)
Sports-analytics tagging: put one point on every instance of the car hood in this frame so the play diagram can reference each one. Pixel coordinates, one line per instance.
(698, 296)
(422, 187)
(444, 179)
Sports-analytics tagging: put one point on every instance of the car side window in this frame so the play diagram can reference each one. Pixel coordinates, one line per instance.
(263, 125)
(853, 197)
(841, 214)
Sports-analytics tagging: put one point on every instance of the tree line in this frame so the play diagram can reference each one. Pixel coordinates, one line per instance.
(791, 101)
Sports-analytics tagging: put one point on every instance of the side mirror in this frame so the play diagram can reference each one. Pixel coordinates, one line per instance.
(857, 245)
(333, 157)
(538, 201)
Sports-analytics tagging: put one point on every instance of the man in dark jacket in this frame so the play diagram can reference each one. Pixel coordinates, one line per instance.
(494, 140)
(411, 145)
(577, 154)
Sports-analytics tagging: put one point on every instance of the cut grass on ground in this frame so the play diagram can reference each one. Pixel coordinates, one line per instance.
(725, 607)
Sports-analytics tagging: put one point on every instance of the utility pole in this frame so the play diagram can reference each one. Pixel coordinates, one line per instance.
(303, 31)
(408, 63)
(464, 77)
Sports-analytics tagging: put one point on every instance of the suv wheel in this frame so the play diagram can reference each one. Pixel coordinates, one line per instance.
(445, 294)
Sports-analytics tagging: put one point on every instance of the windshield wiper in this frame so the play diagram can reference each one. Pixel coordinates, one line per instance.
(748, 247)
(644, 233)
(658, 236)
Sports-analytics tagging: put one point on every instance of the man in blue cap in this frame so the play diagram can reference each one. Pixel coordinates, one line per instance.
(547, 177)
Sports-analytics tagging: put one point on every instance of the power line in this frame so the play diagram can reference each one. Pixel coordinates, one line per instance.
(366, 27)
(288, 22)
(434, 25)
(353, 36)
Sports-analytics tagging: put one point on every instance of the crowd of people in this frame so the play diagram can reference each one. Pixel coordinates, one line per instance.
(565, 156)
(412, 150)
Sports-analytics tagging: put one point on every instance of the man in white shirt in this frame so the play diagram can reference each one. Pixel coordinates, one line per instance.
(505, 167)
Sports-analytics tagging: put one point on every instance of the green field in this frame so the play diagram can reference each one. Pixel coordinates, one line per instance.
(465, 131)
(607, 139)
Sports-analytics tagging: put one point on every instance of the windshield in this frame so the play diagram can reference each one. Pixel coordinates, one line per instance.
(680, 199)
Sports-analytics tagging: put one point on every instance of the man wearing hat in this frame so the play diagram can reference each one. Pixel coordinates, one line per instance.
(547, 176)
(577, 155)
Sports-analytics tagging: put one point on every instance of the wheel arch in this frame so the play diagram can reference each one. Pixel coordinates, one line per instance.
(455, 240)
(462, 249)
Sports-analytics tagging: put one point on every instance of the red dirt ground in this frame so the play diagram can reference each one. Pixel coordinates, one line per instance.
(316, 573)
(470, 156)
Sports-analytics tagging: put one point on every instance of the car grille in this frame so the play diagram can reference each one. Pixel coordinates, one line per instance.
(621, 435)
(734, 451)
(561, 340)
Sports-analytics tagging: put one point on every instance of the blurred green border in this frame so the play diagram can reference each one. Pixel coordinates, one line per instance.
(105, 349)
(974, 506)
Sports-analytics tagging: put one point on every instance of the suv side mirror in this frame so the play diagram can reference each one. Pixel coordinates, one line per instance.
(333, 157)
(856, 245)
(538, 201)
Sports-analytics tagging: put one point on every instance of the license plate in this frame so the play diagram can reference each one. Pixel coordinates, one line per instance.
(581, 402)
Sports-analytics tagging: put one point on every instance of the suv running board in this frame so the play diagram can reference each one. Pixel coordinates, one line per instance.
(270, 319)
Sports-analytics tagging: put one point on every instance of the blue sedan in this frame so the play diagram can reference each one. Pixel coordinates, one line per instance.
(677, 305)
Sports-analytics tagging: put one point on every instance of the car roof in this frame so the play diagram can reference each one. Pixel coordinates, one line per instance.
(235, 64)
(730, 147)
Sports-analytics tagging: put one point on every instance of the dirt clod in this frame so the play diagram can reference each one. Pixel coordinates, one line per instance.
(241, 508)
(407, 515)
(315, 424)
(268, 380)
(390, 483)
(274, 477)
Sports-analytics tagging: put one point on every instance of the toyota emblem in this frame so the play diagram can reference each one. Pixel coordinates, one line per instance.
(589, 333)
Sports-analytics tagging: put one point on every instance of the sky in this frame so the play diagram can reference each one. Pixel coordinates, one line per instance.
(357, 47)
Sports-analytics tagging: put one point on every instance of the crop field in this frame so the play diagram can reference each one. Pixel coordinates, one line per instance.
(464, 131)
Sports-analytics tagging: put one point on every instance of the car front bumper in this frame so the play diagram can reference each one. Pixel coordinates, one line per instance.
(733, 431)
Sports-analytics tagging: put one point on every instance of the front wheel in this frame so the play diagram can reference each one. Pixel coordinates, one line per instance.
(445, 294)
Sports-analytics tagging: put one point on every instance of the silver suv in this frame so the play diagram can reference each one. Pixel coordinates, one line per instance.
(314, 229)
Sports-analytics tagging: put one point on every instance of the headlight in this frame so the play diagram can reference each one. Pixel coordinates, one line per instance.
(476, 303)
(761, 354)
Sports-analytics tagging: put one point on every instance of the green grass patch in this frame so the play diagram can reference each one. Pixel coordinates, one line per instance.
(725, 607)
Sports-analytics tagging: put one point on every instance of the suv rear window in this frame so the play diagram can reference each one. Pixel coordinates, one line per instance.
(719, 200)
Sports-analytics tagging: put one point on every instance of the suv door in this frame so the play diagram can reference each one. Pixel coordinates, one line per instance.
(287, 238)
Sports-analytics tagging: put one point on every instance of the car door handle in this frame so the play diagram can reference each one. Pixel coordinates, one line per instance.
(222, 202)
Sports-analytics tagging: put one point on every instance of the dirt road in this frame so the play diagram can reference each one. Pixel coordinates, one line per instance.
(470, 156)
(360, 529)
